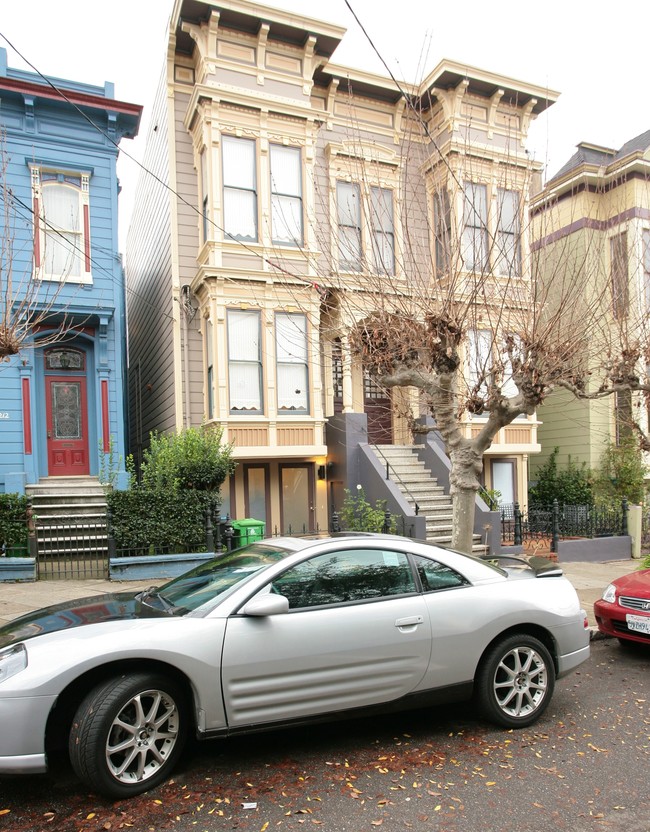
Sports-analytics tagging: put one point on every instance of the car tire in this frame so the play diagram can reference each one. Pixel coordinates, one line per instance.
(515, 681)
(128, 734)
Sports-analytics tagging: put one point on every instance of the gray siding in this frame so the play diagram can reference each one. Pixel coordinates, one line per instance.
(149, 297)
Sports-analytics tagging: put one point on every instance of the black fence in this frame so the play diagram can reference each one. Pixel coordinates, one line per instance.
(557, 522)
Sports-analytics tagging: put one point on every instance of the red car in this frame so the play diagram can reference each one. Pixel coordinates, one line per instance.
(624, 609)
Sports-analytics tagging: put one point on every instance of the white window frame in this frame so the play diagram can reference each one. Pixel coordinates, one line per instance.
(508, 237)
(442, 230)
(619, 274)
(245, 364)
(382, 221)
(292, 360)
(287, 228)
(205, 196)
(479, 358)
(645, 259)
(475, 249)
(209, 367)
(55, 237)
(349, 227)
(238, 181)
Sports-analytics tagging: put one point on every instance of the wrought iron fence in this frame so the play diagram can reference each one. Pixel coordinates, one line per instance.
(557, 522)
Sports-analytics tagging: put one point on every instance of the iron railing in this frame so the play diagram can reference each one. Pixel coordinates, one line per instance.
(557, 522)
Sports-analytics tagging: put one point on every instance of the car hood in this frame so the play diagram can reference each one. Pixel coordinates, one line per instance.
(78, 613)
(636, 583)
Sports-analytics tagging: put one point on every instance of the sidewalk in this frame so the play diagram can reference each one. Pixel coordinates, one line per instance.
(16, 599)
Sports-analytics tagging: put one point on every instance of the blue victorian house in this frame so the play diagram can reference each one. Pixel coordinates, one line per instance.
(62, 308)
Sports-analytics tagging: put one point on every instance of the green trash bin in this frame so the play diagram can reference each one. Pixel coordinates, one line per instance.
(247, 531)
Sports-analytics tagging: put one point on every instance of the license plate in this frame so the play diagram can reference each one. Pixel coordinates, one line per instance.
(638, 623)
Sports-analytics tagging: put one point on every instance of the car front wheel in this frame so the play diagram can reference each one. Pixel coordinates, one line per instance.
(515, 681)
(128, 733)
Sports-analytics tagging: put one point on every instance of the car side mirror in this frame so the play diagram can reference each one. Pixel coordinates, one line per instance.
(268, 604)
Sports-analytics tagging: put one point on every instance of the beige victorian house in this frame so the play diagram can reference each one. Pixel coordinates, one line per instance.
(594, 216)
(297, 188)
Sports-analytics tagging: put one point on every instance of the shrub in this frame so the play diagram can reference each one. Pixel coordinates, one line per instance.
(358, 515)
(621, 473)
(13, 521)
(571, 486)
(193, 458)
(160, 520)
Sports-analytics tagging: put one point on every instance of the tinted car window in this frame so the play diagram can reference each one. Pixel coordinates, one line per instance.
(349, 575)
(435, 575)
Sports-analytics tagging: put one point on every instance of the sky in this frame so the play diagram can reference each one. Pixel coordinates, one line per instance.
(595, 55)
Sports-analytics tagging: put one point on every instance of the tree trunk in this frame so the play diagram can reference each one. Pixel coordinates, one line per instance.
(464, 501)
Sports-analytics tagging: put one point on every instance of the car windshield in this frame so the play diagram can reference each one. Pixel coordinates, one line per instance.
(214, 578)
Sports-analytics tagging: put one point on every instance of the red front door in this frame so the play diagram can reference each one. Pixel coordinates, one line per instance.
(67, 425)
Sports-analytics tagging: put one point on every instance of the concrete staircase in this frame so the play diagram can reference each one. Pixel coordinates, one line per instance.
(70, 516)
(421, 488)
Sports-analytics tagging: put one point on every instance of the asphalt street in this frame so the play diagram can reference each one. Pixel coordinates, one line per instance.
(582, 767)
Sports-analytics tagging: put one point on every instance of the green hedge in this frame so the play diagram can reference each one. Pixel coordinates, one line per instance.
(13, 524)
(160, 521)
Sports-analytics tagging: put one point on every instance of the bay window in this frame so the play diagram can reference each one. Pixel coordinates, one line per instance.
(508, 236)
(286, 195)
(475, 231)
(239, 188)
(348, 201)
(244, 361)
(291, 362)
(383, 236)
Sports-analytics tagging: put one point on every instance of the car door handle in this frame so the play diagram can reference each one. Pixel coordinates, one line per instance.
(410, 621)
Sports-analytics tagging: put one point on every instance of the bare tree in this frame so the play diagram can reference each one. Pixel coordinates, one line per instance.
(483, 328)
(28, 303)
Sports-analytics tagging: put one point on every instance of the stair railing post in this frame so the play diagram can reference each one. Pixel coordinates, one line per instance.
(387, 522)
(336, 522)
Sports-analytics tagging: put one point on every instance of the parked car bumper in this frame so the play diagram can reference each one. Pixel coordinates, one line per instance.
(611, 620)
(570, 661)
(22, 736)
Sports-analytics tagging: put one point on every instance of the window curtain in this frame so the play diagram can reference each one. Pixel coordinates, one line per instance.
(63, 239)
(291, 359)
(244, 364)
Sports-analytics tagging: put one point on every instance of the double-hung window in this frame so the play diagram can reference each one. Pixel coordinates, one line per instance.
(475, 229)
(646, 268)
(619, 275)
(348, 200)
(291, 363)
(209, 360)
(383, 233)
(442, 230)
(508, 239)
(62, 235)
(286, 195)
(205, 205)
(244, 361)
(479, 359)
(239, 189)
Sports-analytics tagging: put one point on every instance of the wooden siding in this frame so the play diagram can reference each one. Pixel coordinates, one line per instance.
(248, 437)
(148, 276)
(299, 435)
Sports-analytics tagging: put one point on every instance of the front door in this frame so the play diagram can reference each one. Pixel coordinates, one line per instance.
(67, 425)
(378, 408)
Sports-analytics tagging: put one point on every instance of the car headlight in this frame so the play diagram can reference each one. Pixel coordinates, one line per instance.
(12, 660)
(609, 594)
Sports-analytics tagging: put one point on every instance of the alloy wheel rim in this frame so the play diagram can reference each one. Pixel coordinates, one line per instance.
(142, 736)
(520, 681)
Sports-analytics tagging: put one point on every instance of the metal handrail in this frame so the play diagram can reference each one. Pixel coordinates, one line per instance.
(396, 477)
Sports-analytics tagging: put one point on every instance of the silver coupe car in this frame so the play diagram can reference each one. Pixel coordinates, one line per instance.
(283, 631)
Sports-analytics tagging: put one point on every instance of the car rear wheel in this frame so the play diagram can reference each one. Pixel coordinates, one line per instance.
(128, 733)
(515, 681)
